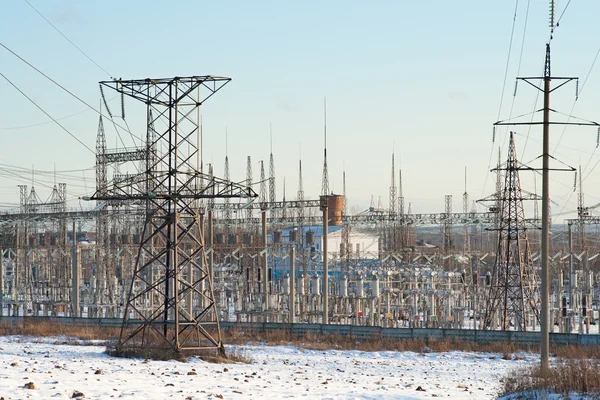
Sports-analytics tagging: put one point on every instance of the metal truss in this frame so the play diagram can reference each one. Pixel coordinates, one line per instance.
(171, 263)
(125, 155)
(513, 292)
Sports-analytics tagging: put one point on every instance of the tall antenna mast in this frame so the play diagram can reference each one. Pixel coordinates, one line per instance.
(300, 195)
(392, 205)
(325, 189)
(227, 178)
(249, 184)
(262, 195)
(344, 190)
(272, 196)
(465, 195)
(284, 211)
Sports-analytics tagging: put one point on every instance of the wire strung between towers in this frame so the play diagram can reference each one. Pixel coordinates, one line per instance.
(68, 40)
(48, 115)
(60, 86)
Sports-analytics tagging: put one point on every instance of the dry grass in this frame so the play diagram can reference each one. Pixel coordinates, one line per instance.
(155, 352)
(231, 356)
(581, 352)
(54, 327)
(338, 342)
(572, 375)
(82, 334)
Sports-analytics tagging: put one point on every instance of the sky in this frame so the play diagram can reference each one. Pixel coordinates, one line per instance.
(425, 80)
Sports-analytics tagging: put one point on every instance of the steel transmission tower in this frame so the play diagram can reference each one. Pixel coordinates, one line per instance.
(513, 292)
(171, 263)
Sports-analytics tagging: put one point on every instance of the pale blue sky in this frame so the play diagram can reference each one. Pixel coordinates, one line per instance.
(423, 76)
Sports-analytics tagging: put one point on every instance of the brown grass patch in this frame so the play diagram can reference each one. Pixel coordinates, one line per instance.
(82, 334)
(54, 327)
(572, 375)
(313, 341)
(154, 352)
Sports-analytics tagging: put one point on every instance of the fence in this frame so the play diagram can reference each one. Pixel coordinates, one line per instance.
(359, 332)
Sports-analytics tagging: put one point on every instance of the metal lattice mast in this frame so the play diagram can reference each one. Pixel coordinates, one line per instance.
(249, 184)
(403, 229)
(102, 220)
(513, 291)
(227, 213)
(272, 194)
(284, 211)
(171, 263)
(392, 208)
(344, 192)
(325, 180)
(447, 224)
(393, 189)
(345, 250)
(262, 195)
(300, 195)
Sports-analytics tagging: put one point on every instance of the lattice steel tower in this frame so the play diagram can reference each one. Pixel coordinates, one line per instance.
(513, 292)
(171, 263)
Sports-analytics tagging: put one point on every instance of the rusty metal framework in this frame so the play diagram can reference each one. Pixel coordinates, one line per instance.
(171, 267)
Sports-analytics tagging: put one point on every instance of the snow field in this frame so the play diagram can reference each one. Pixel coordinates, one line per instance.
(278, 372)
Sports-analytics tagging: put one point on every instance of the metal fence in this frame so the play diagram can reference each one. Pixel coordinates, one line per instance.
(359, 332)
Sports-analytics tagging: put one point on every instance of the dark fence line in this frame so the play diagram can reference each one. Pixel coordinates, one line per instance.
(359, 332)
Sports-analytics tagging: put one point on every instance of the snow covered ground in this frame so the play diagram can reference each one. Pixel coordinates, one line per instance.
(57, 370)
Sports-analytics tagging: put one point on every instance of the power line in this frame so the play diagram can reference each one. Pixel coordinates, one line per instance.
(48, 115)
(563, 13)
(60, 86)
(565, 128)
(10, 128)
(69, 40)
(512, 32)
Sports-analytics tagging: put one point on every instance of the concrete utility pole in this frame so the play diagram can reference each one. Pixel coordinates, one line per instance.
(265, 263)
(76, 279)
(292, 299)
(545, 276)
(545, 336)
